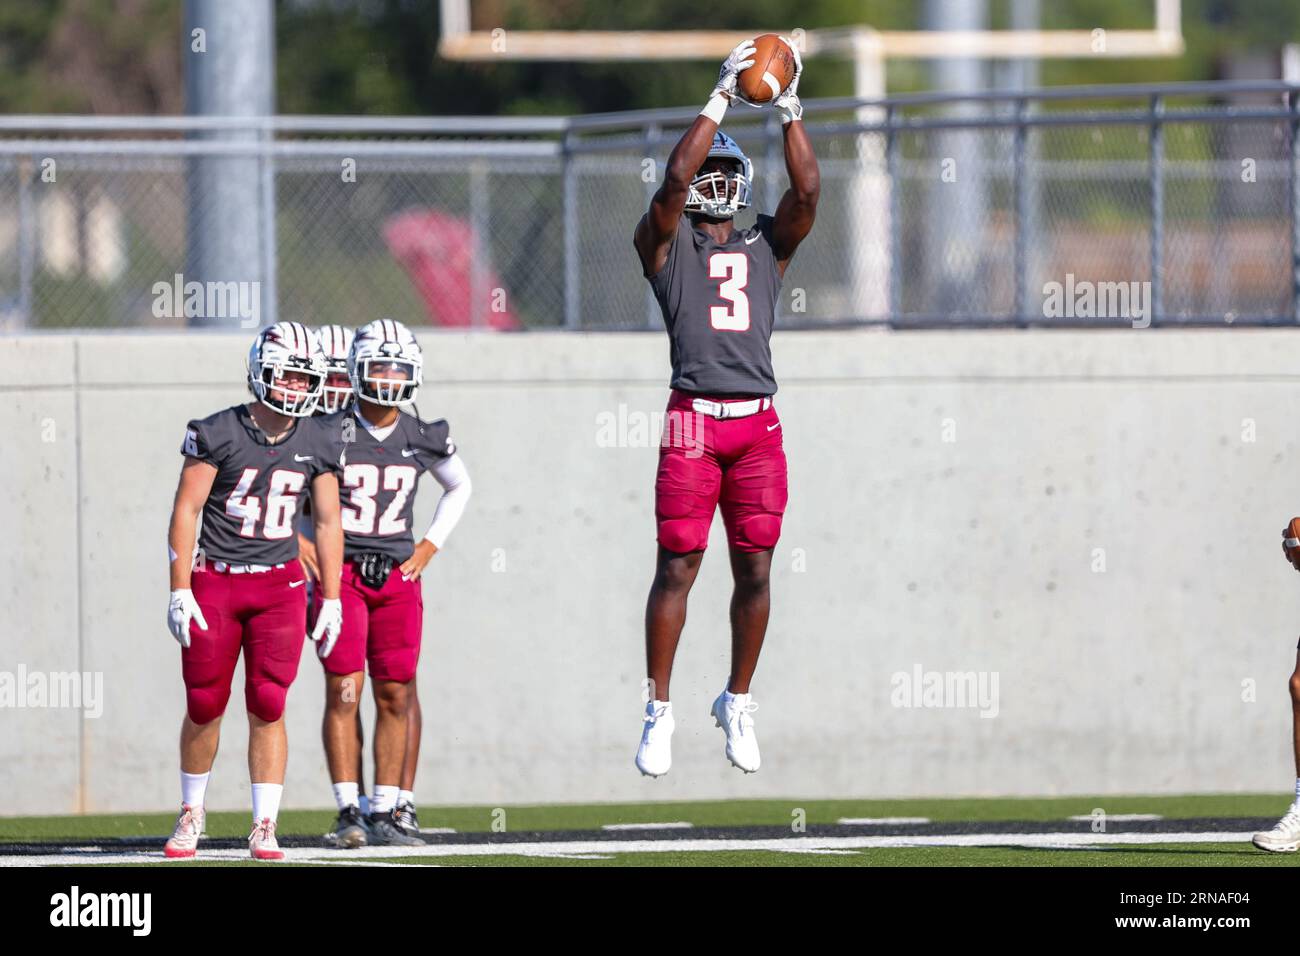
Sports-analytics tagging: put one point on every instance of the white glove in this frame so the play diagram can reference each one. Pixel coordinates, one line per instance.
(329, 621)
(741, 58)
(180, 609)
(788, 102)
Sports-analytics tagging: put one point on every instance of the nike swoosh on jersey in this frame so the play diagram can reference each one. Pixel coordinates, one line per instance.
(294, 584)
(408, 452)
(777, 425)
(297, 457)
(753, 239)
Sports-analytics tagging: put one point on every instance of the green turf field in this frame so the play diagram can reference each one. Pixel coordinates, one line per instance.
(729, 849)
(702, 813)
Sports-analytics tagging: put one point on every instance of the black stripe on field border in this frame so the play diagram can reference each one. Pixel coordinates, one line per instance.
(1207, 825)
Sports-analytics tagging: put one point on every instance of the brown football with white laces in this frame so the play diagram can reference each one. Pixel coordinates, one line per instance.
(772, 72)
(1291, 543)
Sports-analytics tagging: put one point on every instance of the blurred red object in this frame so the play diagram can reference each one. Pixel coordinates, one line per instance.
(435, 250)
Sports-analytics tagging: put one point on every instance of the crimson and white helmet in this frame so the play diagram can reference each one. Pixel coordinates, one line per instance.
(385, 364)
(336, 343)
(279, 349)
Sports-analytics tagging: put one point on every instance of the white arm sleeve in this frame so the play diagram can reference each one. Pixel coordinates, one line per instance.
(454, 478)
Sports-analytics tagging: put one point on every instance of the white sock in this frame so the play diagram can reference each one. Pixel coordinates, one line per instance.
(345, 794)
(194, 787)
(657, 705)
(406, 796)
(266, 801)
(728, 696)
(365, 805)
(383, 799)
(1297, 790)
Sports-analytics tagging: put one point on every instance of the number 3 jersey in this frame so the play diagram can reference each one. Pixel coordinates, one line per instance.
(719, 304)
(249, 517)
(377, 490)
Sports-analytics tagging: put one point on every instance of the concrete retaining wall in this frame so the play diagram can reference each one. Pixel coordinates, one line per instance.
(1093, 518)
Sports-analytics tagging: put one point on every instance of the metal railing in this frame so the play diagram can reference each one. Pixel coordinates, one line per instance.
(1163, 205)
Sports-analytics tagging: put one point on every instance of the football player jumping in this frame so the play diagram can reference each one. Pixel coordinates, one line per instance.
(1285, 836)
(246, 469)
(383, 609)
(717, 288)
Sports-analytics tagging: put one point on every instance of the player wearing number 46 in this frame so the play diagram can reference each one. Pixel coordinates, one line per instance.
(717, 287)
(383, 607)
(246, 469)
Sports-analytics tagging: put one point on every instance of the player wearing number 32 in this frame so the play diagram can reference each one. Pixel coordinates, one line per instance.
(246, 470)
(383, 607)
(717, 287)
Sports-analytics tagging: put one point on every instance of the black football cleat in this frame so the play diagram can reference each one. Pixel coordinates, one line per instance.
(386, 831)
(406, 819)
(349, 830)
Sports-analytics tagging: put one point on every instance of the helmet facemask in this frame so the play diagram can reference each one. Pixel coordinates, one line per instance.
(336, 345)
(268, 385)
(719, 194)
(387, 389)
(337, 392)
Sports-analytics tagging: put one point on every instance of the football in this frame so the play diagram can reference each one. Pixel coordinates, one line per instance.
(772, 72)
(1291, 542)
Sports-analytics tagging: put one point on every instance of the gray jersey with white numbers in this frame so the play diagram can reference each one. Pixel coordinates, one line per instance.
(249, 517)
(718, 301)
(377, 490)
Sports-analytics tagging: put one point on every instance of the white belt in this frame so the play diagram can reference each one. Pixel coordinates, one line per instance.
(224, 568)
(731, 409)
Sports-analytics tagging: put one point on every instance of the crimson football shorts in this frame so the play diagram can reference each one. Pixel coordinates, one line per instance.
(380, 628)
(705, 463)
(262, 613)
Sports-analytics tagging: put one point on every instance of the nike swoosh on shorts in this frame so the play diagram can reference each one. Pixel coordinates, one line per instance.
(294, 584)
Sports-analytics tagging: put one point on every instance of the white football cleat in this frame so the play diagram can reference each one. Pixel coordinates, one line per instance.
(262, 844)
(1283, 838)
(655, 754)
(734, 719)
(185, 838)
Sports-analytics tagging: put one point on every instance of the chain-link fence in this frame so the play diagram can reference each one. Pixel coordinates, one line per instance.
(1098, 206)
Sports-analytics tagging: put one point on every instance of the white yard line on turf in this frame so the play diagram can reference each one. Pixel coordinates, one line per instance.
(680, 825)
(878, 821)
(370, 863)
(1117, 817)
(598, 848)
(818, 852)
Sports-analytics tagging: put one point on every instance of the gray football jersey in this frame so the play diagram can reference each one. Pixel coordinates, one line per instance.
(719, 304)
(250, 515)
(377, 490)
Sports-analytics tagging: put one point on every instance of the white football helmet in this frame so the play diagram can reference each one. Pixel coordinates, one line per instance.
(280, 349)
(715, 193)
(381, 352)
(336, 343)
